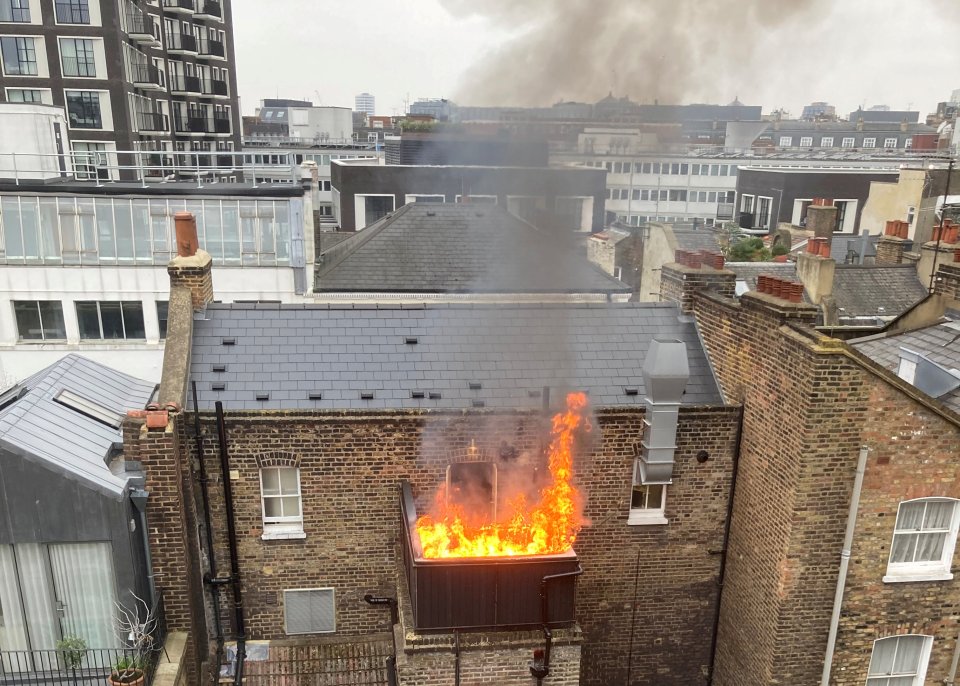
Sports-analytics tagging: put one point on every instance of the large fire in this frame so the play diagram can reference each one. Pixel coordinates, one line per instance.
(548, 527)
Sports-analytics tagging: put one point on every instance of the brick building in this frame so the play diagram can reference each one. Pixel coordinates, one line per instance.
(806, 529)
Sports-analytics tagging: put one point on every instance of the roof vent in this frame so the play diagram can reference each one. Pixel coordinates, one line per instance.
(631, 390)
(219, 368)
(218, 387)
(533, 394)
(431, 214)
(417, 395)
(228, 341)
(411, 340)
(263, 396)
(11, 395)
(315, 396)
(436, 396)
(366, 395)
(665, 375)
(479, 403)
(475, 386)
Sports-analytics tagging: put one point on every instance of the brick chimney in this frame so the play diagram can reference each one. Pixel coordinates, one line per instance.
(816, 270)
(192, 267)
(822, 217)
(893, 244)
(781, 300)
(933, 255)
(692, 272)
(947, 281)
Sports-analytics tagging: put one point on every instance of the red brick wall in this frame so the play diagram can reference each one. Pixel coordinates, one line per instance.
(351, 465)
(678, 283)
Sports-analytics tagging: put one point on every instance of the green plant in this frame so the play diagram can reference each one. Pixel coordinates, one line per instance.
(127, 669)
(749, 250)
(72, 649)
(780, 249)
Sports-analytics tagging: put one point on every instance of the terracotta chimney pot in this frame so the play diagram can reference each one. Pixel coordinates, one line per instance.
(187, 243)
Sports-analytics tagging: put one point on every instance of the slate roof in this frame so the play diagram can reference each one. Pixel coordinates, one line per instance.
(458, 248)
(876, 291)
(511, 350)
(38, 427)
(940, 343)
(696, 240)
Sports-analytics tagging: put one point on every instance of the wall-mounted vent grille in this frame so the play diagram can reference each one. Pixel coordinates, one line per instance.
(263, 396)
(411, 340)
(631, 390)
(366, 395)
(228, 341)
(219, 368)
(315, 396)
(309, 611)
(418, 395)
(476, 386)
(533, 394)
(218, 387)
(479, 403)
(436, 396)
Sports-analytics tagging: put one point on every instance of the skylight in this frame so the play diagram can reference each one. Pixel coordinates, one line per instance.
(89, 408)
(12, 394)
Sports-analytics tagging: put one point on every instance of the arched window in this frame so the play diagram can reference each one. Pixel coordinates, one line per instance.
(899, 661)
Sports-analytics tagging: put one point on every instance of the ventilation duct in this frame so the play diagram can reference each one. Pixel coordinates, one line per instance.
(928, 376)
(665, 376)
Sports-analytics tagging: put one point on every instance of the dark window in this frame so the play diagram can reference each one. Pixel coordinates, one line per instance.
(110, 320)
(19, 56)
(15, 11)
(83, 108)
(73, 11)
(684, 169)
(24, 95)
(39, 320)
(77, 57)
(163, 307)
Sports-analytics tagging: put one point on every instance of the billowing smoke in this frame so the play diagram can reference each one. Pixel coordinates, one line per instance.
(670, 50)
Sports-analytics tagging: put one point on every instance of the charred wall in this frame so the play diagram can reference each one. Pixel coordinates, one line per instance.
(351, 464)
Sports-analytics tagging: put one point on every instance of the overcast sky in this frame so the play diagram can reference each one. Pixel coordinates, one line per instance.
(902, 53)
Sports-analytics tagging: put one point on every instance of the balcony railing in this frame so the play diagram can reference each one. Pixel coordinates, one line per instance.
(180, 5)
(181, 42)
(141, 26)
(221, 125)
(212, 48)
(153, 121)
(147, 76)
(198, 123)
(215, 88)
(209, 9)
(185, 84)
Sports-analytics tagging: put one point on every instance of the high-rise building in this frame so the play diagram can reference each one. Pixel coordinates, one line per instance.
(365, 103)
(153, 75)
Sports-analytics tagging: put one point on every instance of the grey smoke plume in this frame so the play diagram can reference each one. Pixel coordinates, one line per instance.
(647, 49)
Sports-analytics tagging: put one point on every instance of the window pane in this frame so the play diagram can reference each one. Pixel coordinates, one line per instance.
(654, 496)
(938, 515)
(121, 217)
(291, 506)
(141, 231)
(881, 663)
(89, 320)
(903, 547)
(31, 228)
(282, 211)
(133, 320)
(28, 321)
(163, 307)
(908, 655)
(51, 315)
(49, 229)
(930, 547)
(271, 481)
(231, 232)
(910, 516)
(271, 507)
(288, 481)
(11, 226)
(105, 232)
(214, 237)
(111, 318)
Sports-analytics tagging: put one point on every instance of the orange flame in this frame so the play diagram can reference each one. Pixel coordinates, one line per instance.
(549, 527)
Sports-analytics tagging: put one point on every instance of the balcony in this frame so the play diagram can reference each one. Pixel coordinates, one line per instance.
(221, 125)
(185, 84)
(212, 49)
(215, 89)
(181, 44)
(192, 123)
(209, 9)
(147, 77)
(142, 28)
(180, 6)
(153, 122)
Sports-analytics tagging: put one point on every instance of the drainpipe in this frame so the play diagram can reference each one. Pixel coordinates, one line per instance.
(952, 679)
(540, 667)
(232, 540)
(844, 564)
(212, 558)
(138, 497)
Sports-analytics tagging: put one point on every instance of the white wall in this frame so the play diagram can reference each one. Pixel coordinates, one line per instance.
(28, 131)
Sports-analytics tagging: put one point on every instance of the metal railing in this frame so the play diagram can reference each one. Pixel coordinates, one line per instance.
(180, 4)
(146, 73)
(211, 48)
(140, 23)
(213, 87)
(153, 121)
(184, 84)
(84, 666)
(210, 8)
(181, 41)
(148, 167)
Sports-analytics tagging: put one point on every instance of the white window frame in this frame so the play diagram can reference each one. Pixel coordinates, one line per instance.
(869, 142)
(826, 142)
(46, 94)
(806, 141)
(485, 199)
(281, 527)
(848, 142)
(919, 676)
(647, 516)
(900, 572)
(889, 142)
(415, 197)
(786, 142)
(40, 55)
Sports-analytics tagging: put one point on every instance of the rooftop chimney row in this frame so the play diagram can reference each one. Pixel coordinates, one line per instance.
(780, 288)
(822, 202)
(949, 233)
(819, 247)
(696, 259)
(897, 228)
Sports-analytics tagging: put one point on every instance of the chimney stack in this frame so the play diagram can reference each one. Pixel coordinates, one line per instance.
(816, 271)
(947, 281)
(192, 267)
(938, 251)
(893, 244)
(692, 272)
(822, 217)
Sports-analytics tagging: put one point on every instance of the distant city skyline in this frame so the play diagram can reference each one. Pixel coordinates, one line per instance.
(435, 53)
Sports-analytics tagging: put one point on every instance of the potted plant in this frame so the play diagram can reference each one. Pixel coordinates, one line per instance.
(127, 670)
(72, 651)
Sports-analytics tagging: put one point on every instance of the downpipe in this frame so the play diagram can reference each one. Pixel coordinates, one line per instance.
(844, 565)
(540, 667)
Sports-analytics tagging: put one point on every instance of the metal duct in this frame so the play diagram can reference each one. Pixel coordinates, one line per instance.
(665, 376)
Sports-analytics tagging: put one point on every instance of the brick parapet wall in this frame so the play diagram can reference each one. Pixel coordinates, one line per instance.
(352, 463)
(809, 405)
(947, 281)
(679, 283)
